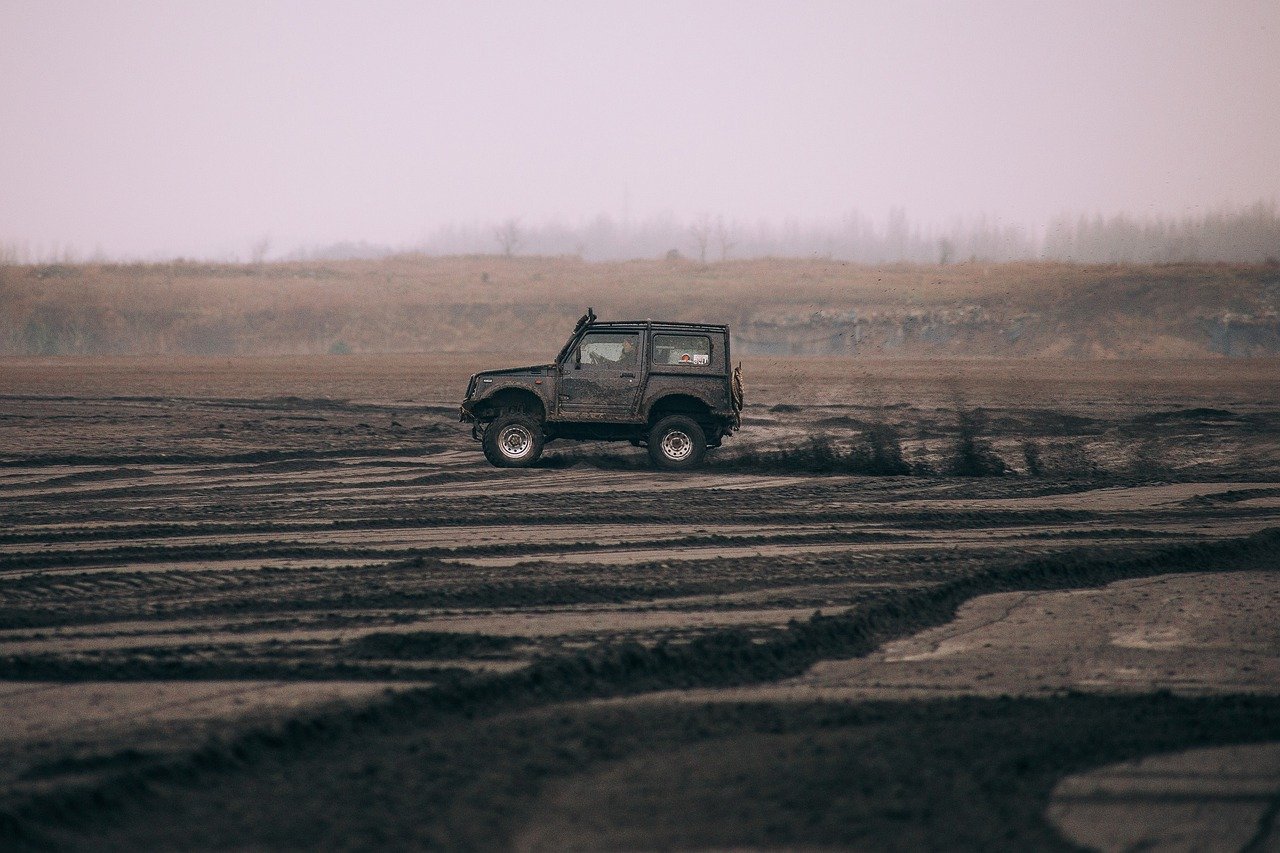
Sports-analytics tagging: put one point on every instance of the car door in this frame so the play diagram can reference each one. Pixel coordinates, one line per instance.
(600, 377)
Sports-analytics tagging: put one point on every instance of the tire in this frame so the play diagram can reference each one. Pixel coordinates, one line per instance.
(513, 441)
(677, 443)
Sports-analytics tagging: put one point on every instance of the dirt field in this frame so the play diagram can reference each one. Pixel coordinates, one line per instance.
(286, 602)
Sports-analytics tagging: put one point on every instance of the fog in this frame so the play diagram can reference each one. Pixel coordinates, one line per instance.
(249, 129)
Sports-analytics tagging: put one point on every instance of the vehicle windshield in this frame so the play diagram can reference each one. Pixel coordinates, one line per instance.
(583, 321)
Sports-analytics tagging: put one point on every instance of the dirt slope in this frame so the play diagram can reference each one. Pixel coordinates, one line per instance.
(776, 307)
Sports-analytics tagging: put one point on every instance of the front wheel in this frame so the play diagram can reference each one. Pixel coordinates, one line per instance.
(676, 443)
(513, 441)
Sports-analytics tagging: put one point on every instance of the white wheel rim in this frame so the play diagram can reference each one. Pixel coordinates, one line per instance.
(676, 445)
(515, 441)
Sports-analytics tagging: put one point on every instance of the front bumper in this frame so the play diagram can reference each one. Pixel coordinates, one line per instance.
(467, 417)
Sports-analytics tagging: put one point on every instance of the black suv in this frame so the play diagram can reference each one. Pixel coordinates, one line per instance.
(665, 385)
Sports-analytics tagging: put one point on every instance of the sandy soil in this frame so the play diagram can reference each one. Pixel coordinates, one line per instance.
(1187, 633)
(302, 534)
(1221, 798)
(57, 734)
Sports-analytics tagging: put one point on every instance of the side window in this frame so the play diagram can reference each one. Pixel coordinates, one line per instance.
(681, 349)
(609, 350)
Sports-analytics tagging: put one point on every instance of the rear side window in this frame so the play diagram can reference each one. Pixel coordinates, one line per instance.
(681, 349)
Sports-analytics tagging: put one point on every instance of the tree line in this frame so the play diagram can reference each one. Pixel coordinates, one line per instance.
(1242, 235)
(1235, 235)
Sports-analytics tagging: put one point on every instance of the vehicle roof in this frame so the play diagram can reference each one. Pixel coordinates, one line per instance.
(659, 324)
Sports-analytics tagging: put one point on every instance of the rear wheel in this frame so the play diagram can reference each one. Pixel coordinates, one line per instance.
(513, 441)
(676, 443)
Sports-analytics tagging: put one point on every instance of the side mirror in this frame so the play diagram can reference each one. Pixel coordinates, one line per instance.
(577, 358)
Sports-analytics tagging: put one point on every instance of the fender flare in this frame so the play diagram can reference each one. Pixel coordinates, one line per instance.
(498, 388)
(650, 405)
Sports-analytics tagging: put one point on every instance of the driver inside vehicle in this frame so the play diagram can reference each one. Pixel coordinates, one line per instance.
(627, 358)
(626, 354)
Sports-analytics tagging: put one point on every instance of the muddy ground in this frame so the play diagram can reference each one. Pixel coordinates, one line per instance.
(287, 603)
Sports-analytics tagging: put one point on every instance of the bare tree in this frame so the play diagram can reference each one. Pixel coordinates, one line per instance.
(508, 236)
(258, 249)
(724, 238)
(946, 251)
(700, 230)
(12, 254)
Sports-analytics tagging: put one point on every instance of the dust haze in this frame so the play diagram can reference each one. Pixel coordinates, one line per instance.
(152, 130)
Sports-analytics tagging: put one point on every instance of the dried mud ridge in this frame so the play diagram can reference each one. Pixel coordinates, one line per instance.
(725, 657)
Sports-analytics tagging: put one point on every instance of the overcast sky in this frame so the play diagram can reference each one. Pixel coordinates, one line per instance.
(160, 128)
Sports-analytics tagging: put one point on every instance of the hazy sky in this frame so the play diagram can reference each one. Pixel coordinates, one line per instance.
(151, 128)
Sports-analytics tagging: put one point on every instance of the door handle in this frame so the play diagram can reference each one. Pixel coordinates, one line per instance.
(628, 376)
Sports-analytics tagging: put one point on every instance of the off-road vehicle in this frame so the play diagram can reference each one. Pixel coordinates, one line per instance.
(667, 386)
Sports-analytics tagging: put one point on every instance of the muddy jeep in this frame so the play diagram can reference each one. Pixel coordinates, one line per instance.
(667, 386)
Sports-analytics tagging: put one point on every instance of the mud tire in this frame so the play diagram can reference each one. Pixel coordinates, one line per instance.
(513, 441)
(677, 443)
